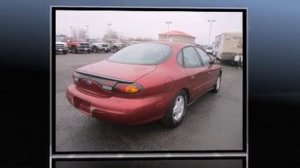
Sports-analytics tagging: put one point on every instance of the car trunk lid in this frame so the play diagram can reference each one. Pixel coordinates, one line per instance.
(100, 78)
(118, 71)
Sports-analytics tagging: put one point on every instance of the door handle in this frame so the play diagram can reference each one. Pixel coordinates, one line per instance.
(192, 77)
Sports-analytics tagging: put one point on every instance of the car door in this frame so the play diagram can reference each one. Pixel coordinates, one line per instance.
(196, 72)
(212, 72)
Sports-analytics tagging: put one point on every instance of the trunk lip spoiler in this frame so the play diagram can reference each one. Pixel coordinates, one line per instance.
(102, 76)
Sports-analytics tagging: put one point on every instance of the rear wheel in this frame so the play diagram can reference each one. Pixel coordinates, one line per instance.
(176, 112)
(216, 87)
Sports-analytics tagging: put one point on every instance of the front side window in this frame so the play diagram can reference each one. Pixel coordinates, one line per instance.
(204, 56)
(190, 58)
(142, 54)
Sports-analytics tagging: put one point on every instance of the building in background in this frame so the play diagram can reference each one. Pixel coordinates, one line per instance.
(176, 36)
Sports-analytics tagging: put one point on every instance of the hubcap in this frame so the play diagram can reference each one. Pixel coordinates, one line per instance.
(178, 108)
(218, 83)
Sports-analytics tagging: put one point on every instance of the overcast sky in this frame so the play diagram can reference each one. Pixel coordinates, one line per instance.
(149, 24)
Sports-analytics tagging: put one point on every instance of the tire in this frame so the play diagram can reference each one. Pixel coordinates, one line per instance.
(65, 52)
(175, 114)
(217, 86)
(73, 50)
(95, 50)
(115, 49)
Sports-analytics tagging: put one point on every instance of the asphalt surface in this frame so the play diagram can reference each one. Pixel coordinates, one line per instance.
(213, 122)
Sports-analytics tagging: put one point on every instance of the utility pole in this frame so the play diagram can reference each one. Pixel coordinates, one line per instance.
(109, 25)
(210, 21)
(87, 31)
(71, 34)
(168, 23)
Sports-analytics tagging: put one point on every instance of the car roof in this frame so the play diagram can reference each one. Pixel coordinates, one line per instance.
(172, 44)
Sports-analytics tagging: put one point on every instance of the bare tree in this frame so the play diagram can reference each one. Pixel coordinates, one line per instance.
(110, 34)
(74, 33)
(79, 34)
(82, 34)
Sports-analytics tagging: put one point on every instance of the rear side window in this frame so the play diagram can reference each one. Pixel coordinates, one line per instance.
(190, 58)
(143, 54)
(204, 56)
(180, 58)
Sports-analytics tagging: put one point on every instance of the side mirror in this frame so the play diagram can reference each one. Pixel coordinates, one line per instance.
(212, 60)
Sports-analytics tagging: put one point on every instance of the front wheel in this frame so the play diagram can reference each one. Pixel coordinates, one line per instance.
(115, 49)
(216, 87)
(175, 114)
(73, 50)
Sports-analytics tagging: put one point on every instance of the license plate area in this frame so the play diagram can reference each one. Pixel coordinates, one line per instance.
(82, 105)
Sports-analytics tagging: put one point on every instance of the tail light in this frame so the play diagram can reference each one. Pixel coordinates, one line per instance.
(75, 77)
(110, 85)
(128, 88)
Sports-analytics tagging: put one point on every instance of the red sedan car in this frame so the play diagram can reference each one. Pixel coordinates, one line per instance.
(144, 82)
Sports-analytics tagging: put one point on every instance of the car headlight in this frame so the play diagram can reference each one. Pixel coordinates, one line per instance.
(78, 45)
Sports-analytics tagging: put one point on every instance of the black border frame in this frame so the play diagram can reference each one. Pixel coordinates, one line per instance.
(53, 9)
(244, 161)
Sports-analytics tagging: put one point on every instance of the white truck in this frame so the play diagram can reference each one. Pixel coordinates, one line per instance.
(227, 46)
(115, 45)
(60, 46)
(99, 46)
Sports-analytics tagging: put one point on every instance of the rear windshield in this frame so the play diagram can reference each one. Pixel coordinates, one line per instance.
(145, 54)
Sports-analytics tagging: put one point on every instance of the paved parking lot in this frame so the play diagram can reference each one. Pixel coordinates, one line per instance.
(213, 122)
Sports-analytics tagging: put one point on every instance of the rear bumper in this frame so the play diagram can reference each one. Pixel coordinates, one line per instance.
(124, 111)
(83, 49)
(61, 50)
(103, 48)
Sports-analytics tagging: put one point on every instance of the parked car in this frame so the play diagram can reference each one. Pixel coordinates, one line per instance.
(61, 47)
(115, 45)
(144, 82)
(99, 46)
(79, 46)
(209, 50)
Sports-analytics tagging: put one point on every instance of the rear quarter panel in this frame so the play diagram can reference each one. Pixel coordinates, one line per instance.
(214, 71)
(169, 78)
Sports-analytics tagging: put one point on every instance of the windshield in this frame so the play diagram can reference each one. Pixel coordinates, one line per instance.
(145, 54)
